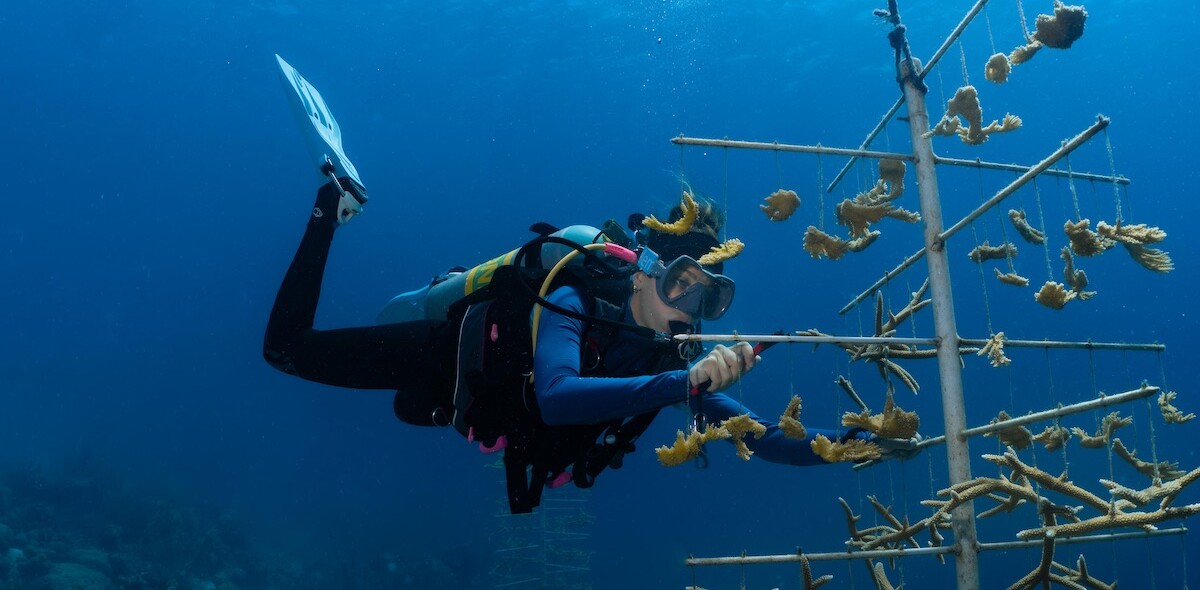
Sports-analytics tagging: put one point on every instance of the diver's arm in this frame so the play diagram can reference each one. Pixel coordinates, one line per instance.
(774, 446)
(565, 397)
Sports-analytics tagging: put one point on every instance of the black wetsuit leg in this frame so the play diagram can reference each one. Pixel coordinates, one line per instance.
(415, 358)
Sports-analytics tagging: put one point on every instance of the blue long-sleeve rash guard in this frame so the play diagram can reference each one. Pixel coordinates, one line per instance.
(566, 397)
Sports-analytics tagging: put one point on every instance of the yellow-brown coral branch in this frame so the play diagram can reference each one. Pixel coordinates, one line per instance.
(1031, 235)
(789, 422)
(680, 226)
(1171, 414)
(781, 205)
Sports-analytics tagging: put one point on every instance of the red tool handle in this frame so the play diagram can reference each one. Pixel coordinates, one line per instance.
(758, 349)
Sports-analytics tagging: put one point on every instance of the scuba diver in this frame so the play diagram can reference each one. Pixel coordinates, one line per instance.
(561, 380)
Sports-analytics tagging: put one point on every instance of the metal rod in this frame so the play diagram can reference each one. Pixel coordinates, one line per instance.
(833, 339)
(794, 557)
(1088, 345)
(889, 553)
(954, 414)
(795, 338)
(867, 142)
(1006, 545)
(937, 56)
(787, 147)
(1004, 193)
(517, 583)
(887, 276)
(1099, 402)
(862, 152)
(1020, 168)
(1067, 148)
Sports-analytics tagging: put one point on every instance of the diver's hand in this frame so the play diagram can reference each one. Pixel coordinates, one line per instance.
(898, 448)
(722, 366)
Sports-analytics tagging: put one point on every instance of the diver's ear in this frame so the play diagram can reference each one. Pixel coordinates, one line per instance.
(639, 280)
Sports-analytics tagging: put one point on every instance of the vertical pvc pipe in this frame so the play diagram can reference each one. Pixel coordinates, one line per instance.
(954, 412)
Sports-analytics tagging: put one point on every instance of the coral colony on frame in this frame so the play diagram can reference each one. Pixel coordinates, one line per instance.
(1064, 508)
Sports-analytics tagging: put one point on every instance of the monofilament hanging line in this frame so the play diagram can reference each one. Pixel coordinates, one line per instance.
(725, 195)
(988, 21)
(1021, 14)
(962, 60)
(820, 193)
(987, 307)
(1071, 186)
(1037, 194)
(1112, 166)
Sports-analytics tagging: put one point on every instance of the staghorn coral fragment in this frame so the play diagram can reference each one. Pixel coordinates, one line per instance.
(1054, 295)
(848, 387)
(683, 224)
(851, 450)
(1017, 437)
(738, 427)
(894, 422)
(1058, 31)
(1061, 29)
(1024, 53)
(729, 249)
(994, 349)
(1135, 238)
(1011, 278)
(1157, 472)
(860, 243)
(818, 243)
(986, 251)
(789, 422)
(1019, 221)
(781, 205)
(1108, 425)
(879, 576)
(1131, 234)
(806, 573)
(997, 68)
(892, 172)
(1053, 437)
(858, 218)
(1077, 279)
(1150, 258)
(1166, 491)
(1085, 242)
(965, 104)
(1080, 578)
(1115, 521)
(1171, 414)
(687, 448)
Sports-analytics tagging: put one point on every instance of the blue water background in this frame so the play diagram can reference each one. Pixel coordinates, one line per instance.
(156, 186)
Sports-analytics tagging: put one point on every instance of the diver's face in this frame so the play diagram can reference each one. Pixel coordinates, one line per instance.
(650, 311)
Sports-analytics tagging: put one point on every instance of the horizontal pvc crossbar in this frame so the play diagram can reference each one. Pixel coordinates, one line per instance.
(890, 553)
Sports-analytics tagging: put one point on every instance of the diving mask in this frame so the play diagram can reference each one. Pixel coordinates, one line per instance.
(685, 285)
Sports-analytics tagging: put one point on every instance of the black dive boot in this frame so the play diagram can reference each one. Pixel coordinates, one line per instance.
(338, 201)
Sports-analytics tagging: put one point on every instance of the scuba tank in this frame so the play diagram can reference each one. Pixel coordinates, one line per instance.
(432, 302)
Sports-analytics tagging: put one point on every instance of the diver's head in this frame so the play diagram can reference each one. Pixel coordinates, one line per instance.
(699, 240)
(671, 286)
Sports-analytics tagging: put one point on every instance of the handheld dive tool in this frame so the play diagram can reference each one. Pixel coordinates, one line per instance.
(698, 417)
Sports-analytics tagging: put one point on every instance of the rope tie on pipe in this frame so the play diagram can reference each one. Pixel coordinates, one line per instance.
(899, 42)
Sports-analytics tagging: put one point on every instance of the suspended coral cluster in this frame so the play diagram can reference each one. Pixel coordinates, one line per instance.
(781, 204)
(894, 422)
(688, 447)
(1057, 31)
(857, 214)
(965, 104)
